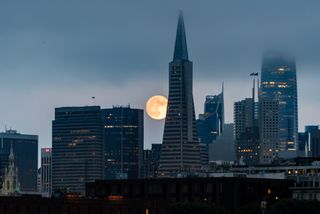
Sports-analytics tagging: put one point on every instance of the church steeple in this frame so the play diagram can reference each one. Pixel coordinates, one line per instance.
(10, 182)
(11, 158)
(180, 49)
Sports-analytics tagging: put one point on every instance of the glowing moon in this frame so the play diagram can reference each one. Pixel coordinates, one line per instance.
(156, 107)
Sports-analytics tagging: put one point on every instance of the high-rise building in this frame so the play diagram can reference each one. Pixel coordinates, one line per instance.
(180, 151)
(77, 148)
(39, 180)
(246, 132)
(269, 129)
(309, 142)
(146, 163)
(279, 83)
(249, 146)
(4, 162)
(25, 149)
(45, 172)
(243, 116)
(123, 133)
(210, 124)
(151, 161)
(214, 104)
(303, 145)
(315, 143)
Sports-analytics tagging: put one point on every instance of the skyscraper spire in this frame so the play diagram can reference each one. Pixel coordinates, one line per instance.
(180, 49)
(180, 152)
(11, 158)
(10, 182)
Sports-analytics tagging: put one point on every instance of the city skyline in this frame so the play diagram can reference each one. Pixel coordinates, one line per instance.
(54, 77)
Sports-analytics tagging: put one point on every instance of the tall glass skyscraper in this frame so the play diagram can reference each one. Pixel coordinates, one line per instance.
(180, 151)
(123, 133)
(211, 123)
(279, 83)
(214, 105)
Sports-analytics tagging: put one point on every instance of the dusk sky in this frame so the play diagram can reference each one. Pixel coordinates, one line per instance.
(61, 53)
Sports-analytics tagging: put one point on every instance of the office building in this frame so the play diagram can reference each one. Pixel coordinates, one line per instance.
(204, 155)
(123, 134)
(180, 151)
(39, 180)
(4, 162)
(146, 163)
(309, 142)
(45, 172)
(243, 116)
(303, 145)
(77, 148)
(269, 128)
(25, 148)
(246, 132)
(249, 146)
(315, 143)
(151, 161)
(210, 124)
(279, 83)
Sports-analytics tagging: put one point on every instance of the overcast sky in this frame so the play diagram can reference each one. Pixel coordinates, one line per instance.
(63, 52)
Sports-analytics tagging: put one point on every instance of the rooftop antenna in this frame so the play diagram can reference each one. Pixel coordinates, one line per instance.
(255, 75)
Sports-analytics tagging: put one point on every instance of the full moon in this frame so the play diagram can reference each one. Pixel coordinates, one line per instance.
(156, 107)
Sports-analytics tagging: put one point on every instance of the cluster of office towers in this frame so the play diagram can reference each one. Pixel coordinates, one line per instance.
(90, 143)
(266, 129)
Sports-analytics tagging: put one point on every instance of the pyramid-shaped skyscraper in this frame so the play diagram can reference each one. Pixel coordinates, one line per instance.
(180, 152)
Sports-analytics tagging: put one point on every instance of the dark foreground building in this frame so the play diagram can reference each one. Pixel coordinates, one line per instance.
(231, 193)
(152, 196)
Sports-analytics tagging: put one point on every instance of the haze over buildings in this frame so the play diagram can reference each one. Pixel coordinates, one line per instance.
(50, 60)
(279, 83)
(98, 159)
